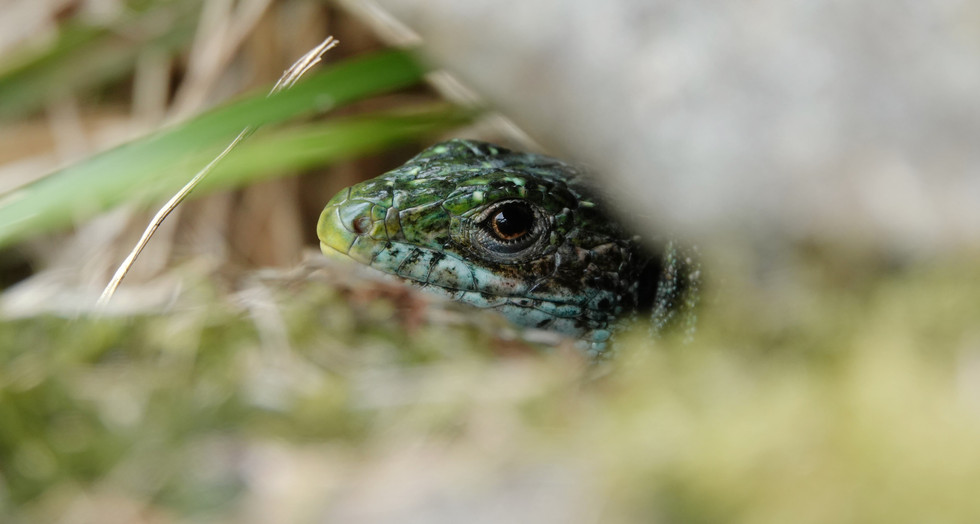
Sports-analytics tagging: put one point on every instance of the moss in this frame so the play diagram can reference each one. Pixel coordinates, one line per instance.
(827, 402)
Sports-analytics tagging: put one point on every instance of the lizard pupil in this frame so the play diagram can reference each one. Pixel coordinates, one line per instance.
(512, 221)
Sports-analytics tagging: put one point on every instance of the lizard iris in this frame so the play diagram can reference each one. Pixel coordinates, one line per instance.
(520, 233)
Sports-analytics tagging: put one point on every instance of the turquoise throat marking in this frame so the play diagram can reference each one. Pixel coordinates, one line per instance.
(516, 232)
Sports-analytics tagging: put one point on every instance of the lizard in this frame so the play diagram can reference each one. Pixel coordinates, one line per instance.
(521, 233)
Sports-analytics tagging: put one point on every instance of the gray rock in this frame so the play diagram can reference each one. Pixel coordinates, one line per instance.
(850, 120)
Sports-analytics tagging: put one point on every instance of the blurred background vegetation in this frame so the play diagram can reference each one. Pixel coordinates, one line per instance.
(239, 378)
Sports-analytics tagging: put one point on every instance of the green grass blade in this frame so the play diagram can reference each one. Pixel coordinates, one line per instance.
(143, 168)
(268, 156)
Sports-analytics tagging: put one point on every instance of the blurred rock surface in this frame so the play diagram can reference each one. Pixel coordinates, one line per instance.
(856, 121)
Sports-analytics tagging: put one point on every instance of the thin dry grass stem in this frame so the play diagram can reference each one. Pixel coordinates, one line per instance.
(287, 80)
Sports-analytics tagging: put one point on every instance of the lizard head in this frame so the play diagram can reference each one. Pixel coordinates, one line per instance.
(517, 232)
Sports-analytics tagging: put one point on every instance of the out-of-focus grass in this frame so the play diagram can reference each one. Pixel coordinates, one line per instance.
(85, 55)
(865, 409)
(156, 166)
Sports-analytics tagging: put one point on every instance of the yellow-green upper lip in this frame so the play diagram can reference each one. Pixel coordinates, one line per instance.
(358, 229)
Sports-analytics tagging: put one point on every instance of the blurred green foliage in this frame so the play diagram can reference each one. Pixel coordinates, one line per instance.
(153, 168)
(868, 413)
(85, 55)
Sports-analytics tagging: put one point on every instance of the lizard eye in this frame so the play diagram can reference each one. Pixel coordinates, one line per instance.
(509, 229)
(511, 221)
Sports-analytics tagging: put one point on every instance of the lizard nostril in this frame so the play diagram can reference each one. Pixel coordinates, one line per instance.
(361, 225)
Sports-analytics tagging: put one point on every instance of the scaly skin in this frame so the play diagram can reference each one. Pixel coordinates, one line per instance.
(516, 232)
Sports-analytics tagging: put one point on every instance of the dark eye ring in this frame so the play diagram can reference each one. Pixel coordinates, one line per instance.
(511, 221)
(509, 230)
